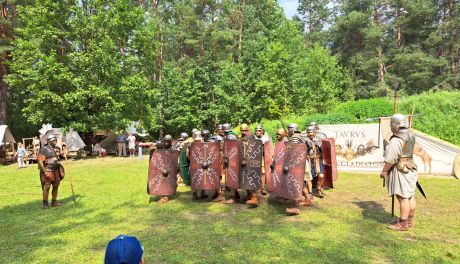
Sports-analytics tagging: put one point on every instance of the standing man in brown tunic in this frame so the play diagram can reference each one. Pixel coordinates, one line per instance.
(400, 171)
(51, 171)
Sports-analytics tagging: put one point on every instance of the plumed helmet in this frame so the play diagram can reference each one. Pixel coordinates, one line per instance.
(168, 138)
(294, 127)
(183, 135)
(197, 135)
(226, 127)
(51, 138)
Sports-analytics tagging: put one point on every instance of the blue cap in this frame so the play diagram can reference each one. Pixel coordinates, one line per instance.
(123, 249)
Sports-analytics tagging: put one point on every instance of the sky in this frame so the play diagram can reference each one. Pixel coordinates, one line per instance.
(289, 6)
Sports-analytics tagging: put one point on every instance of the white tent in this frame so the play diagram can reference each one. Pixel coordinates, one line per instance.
(5, 135)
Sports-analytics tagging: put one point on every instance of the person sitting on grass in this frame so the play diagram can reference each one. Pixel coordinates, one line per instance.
(124, 249)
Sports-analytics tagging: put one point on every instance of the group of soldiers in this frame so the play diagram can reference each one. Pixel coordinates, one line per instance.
(251, 163)
(289, 169)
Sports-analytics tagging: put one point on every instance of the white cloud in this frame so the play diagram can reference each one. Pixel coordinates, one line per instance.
(289, 6)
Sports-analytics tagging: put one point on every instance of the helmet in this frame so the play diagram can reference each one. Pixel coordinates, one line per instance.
(51, 138)
(220, 126)
(197, 135)
(167, 138)
(193, 130)
(281, 132)
(227, 127)
(259, 127)
(311, 128)
(398, 119)
(313, 123)
(294, 127)
(244, 126)
(206, 134)
(183, 135)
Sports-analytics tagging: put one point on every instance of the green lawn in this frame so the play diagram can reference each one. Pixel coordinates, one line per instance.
(349, 226)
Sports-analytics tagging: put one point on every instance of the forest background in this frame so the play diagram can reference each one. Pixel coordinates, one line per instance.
(179, 64)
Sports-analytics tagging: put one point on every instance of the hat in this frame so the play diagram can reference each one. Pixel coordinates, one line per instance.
(124, 249)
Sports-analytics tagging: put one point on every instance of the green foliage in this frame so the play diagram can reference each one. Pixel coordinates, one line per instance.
(367, 108)
(437, 114)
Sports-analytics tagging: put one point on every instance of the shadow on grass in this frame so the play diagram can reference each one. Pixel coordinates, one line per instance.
(34, 230)
(374, 211)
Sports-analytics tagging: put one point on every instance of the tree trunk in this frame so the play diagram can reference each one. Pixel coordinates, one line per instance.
(241, 29)
(453, 53)
(379, 53)
(4, 37)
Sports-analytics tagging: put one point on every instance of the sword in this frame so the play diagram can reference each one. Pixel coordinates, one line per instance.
(284, 128)
(419, 187)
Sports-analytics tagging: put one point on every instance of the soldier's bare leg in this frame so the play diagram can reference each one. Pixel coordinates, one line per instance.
(164, 199)
(235, 196)
(254, 199)
(412, 204)
(204, 195)
(294, 210)
(46, 191)
(194, 196)
(319, 186)
(218, 196)
(403, 223)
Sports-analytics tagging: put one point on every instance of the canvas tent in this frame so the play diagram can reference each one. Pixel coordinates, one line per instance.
(6, 144)
(72, 139)
(5, 135)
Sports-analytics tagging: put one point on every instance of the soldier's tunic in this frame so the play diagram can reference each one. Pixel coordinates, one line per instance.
(399, 182)
(50, 157)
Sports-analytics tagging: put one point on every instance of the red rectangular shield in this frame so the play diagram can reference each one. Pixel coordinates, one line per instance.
(205, 166)
(163, 170)
(232, 172)
(329, 161)
(274, 181)
(251, 150)
(293, 171)
(268, 158)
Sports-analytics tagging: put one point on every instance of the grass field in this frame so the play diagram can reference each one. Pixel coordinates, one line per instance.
(349, 226)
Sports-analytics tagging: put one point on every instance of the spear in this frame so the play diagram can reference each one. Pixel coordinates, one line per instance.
(70, 178)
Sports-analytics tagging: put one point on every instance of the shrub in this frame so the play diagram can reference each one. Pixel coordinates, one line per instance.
(366, 108)
(437, 114)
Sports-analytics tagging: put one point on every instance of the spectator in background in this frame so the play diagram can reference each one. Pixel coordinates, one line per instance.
(121, 139)
(36, 143)
(21, 154)
(124, 249)
(97, 149)
(131, 145)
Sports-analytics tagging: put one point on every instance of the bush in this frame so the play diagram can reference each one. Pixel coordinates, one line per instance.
(366, 108)
(437, 114)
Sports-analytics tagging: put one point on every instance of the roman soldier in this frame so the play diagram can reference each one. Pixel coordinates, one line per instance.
(163, 169)
(400, 171)
(296, 137)
(268, 150)
(196, 138)
(319, 134)
(51, 170)
(315, 156)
